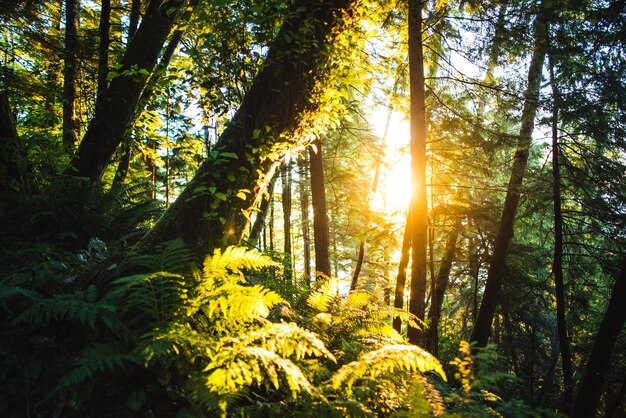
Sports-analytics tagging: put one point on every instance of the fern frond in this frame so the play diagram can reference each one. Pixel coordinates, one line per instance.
(9, 292)
(233, 260)
(287, 339)
(176, 340)
(174, 256)
(234, 369)
(360, 300)
(385, 331)
(233, 305)
(386, 360)
(81, 306)
(321, 298)
(97, 358)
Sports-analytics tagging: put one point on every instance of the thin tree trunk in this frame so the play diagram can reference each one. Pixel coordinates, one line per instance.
(108, 126)
(398, 301)
(441, 284)
(70, 70)
(321, 234)
(304, 209)
(271, 225)
(133, 19)
(482, 327)
(597, 368)
(280, 92)
(103, 50)
(12, 156)
(285, 176)
(474, 269)
(557, 265)
(359, 264)
(259, 221)
(419, 204)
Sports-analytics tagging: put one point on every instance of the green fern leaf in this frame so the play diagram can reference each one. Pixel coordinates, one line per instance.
(386, 360)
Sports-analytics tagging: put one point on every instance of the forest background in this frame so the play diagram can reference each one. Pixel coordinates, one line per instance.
(202, 208)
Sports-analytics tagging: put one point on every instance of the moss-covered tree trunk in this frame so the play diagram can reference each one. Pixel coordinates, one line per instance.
(210, 212)
(482, 327)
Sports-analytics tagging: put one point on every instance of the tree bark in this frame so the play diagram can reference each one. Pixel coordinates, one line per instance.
(70, 122)
(419, 204)
(441, 284)
(321, 234)
(285, 176)
(210, 212)
(12, 156)
(304, 208)
(359, 264)
(557, 266)
(108, 126)
(103, 50)
(398, 301)
(133, 18)
(594, 379)
(482, 327)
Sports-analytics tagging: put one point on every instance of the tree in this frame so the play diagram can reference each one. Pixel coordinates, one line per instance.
(285, 177)
(70, 119)
(482, 328)
(321, 235)
(215, 200)
(107, 128)
(557, 267)
(419, 203)
(594, 378)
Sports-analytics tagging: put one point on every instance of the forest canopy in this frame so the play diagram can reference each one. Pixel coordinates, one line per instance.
(312, 208)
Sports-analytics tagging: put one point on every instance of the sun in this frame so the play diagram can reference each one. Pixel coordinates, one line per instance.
(395, 176)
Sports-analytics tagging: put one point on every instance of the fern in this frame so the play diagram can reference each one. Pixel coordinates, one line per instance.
(97, 358)
(233, 260)
(174, 257)
(384, 361)
(321, 298)
(81, 306)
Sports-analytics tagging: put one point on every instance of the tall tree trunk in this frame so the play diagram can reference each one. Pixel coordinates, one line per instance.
(304, 209)
(441, 284)
(12, 157)
(133, 18)
(419, 203)
(108, 126)
(103, 50)
(594, 379)
(557, 265)
(321, 234)
(482, 327)
(259, 221)
(285, 176)
(146, 94)
(398, 301)
(70, 70)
